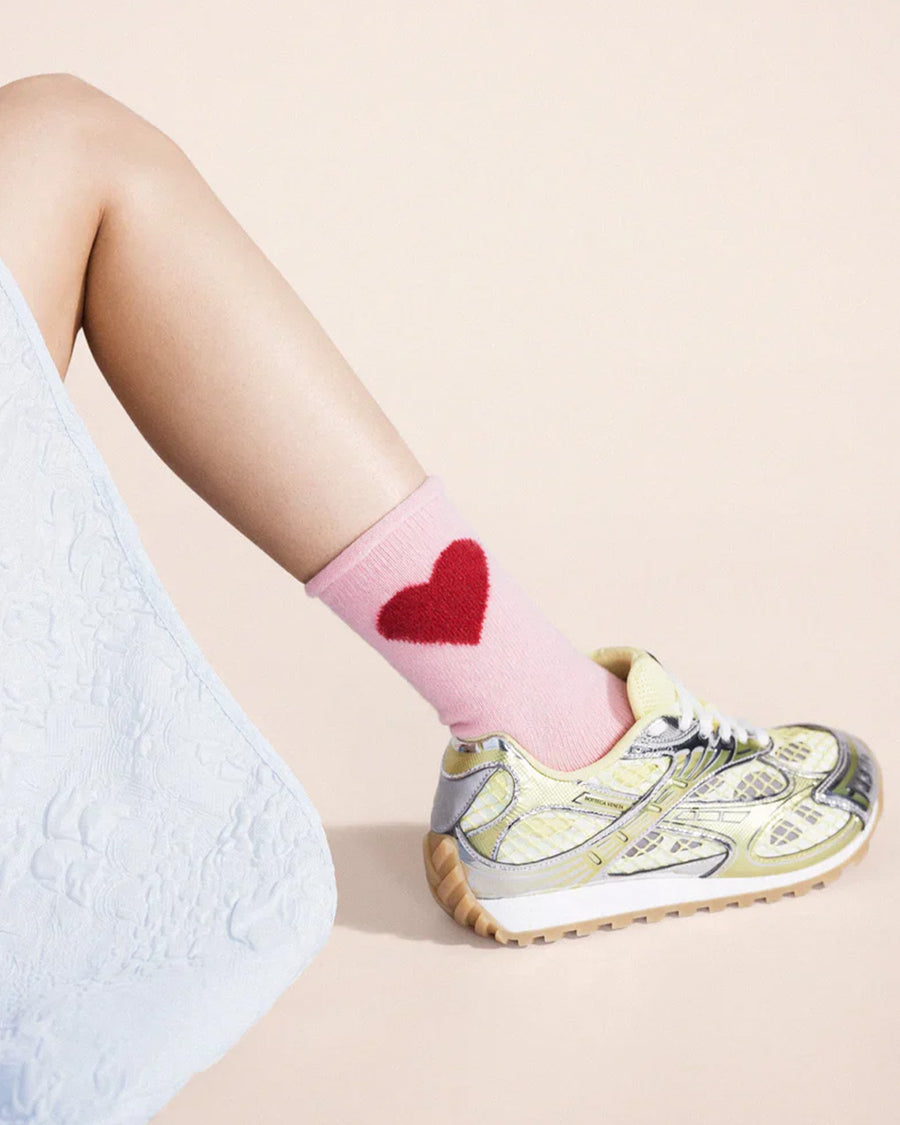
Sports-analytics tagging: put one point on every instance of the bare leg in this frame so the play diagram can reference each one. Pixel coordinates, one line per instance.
(108, 226)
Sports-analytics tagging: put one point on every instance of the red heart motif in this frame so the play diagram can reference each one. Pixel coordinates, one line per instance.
(449, 608)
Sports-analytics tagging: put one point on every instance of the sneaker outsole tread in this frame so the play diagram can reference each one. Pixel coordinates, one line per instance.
(450, 888)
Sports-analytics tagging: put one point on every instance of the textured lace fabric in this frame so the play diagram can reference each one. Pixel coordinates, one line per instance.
(163, 876)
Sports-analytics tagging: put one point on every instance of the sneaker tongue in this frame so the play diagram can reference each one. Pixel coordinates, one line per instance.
(649, 687)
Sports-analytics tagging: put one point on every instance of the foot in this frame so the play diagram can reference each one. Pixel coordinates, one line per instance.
(690, 810)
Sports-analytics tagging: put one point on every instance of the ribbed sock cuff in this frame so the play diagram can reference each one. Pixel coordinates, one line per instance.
(430, 491)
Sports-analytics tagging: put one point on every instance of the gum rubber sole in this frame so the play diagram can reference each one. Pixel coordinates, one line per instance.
(450, 888)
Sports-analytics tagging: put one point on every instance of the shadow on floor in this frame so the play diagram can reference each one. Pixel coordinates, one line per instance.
(382, 887)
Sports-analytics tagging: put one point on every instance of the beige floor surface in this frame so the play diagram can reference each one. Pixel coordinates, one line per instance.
(626, 276)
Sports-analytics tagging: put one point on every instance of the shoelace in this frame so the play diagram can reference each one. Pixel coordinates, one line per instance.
(710, 718)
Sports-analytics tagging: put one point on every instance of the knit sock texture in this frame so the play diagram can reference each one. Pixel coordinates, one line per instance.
(421, 588)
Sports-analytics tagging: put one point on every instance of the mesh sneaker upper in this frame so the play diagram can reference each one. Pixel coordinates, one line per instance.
(671, 798)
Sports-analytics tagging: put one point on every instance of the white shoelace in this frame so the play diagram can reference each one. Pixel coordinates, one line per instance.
(710, 718)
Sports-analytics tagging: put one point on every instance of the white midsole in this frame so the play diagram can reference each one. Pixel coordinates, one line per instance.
(629, 896)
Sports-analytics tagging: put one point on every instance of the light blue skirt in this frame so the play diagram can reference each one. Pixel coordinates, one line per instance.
(163, 876)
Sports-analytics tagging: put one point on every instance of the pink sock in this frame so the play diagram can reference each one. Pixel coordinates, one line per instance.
(420, 588)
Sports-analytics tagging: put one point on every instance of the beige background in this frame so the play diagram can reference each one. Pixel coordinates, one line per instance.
(626, 277)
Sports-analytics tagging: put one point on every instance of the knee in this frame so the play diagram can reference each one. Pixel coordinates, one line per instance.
(51, 101)
(63, 120)
(50, 120)
(47, 88)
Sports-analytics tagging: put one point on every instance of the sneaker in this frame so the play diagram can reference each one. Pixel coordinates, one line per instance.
(689, 811)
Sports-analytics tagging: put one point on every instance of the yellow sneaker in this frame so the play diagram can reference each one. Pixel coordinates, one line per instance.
(690, 810)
